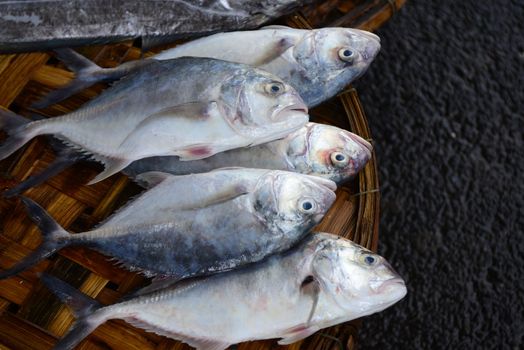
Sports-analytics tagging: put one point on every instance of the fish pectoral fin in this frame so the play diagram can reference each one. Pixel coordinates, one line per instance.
(112, 166)
(227, 194)
(311, 287)
(278, 49)
(193, 110)
(162, 122)
(298, 334)
(151, 178)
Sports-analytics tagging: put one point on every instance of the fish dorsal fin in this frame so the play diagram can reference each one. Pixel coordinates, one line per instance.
(151, 178)
(275, 26)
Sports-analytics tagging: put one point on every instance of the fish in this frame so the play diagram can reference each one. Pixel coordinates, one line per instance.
(188, 107)
(315, 149)
(192, 225)
(35, 25)
(323, 281)
(318, 63)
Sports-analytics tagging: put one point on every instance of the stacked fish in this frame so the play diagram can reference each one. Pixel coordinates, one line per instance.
(217, 131)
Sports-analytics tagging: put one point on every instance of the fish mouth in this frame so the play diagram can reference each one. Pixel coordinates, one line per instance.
(383, 286)
(294, 109)
(324, 182)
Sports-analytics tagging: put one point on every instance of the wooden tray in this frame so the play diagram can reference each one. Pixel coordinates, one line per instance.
(32, 318)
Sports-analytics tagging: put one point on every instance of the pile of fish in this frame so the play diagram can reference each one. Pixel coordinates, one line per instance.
(236, 178)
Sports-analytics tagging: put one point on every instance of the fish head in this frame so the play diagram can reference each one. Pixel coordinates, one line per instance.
(255, 98)
(327, 151)
(328, 59)
(356, 279)
(292, 203)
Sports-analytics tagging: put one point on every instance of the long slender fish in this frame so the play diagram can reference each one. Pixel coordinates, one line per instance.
(324, 281)
(188, 107)
(31, 25)
(198, 224)
(318, 63)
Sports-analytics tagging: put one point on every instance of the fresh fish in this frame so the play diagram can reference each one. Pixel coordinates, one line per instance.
(188, 107)
(198, 224)
(32, 25)
(318, 63)
(315, 149)
(324, 281)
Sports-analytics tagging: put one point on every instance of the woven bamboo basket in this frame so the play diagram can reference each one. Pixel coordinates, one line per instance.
(30, 316)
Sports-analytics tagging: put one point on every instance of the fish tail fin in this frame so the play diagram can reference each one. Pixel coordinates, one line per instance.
(87, 73)
(83, 307)
(19, 129)
(63, 161)
(54, 238)
(65, 158)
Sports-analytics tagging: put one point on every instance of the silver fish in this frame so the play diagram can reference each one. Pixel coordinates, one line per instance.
(318, 63)
(315, 149)
(32, 25)
(324, 281)
(198, 224)
(188, 107)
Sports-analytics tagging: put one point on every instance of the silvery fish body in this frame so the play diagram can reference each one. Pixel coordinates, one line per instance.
(318, 63)
(198, 224)
(324, 281)
(315, 149)
(188, 107)
(32, 25)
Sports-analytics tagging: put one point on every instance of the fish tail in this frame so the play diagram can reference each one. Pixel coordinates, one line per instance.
(54, 238)
(65, 158)
(83, 307)
(19, 129)
(87, 73)
(63, 161)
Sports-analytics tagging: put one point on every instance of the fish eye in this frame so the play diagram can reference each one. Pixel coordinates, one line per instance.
(274, 88)
(339, 159)
(307, 206)
(369, 260)
(346, 55)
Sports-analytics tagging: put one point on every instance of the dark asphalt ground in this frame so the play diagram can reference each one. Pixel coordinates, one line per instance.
(445, 100)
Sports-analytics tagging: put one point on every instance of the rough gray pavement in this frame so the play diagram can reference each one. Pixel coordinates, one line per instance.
(445, 100)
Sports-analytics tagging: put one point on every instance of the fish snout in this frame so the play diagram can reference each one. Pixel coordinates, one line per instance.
(364, 144)
(367, 34)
